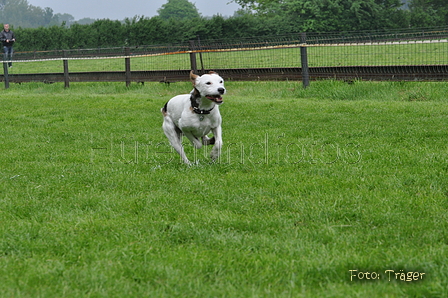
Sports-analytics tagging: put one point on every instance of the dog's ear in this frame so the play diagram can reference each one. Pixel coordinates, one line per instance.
(193, 77)
(212, 72)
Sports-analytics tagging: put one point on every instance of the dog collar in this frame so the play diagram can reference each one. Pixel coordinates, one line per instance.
(202, 112)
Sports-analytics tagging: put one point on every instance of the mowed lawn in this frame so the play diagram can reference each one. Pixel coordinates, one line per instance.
(338, 190)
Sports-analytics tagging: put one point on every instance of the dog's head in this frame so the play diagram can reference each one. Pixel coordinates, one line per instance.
(209, 85)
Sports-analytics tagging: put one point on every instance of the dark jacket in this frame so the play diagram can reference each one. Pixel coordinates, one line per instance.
(7, 36)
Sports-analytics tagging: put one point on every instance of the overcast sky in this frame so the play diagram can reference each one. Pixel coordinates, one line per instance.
(121, 9)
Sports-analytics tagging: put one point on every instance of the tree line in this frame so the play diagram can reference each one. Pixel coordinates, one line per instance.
(24, 15)
(257, 18)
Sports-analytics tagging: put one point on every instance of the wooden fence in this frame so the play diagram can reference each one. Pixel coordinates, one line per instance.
(295, 68)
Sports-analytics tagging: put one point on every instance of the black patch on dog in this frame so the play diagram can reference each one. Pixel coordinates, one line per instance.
(194, 97)
(165, 107)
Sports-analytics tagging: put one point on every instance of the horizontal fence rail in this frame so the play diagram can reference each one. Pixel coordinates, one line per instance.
(376, 73)
(408, 55)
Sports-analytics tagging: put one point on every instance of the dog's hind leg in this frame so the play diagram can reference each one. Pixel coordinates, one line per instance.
(174, 135)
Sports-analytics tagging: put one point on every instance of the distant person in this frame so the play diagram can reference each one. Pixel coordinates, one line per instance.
(7, 37)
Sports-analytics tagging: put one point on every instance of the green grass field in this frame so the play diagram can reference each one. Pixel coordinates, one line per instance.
(312, 183)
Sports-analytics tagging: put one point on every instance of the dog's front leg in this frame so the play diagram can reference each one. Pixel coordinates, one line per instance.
(177, 145)
(208, 141)
(216, 151)
(197, 144)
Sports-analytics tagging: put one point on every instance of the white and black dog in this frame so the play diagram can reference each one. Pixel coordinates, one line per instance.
(195, 115)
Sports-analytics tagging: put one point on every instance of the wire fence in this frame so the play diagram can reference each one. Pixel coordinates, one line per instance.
(346, 49)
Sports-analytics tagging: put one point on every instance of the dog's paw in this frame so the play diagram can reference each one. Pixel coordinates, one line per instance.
(193, 164)
(214, 155)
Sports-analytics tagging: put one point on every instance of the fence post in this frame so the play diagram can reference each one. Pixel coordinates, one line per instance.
(5, 74)
(304, 61)
(193, 63)
(200, 54)
(66, 73)
(127, 62)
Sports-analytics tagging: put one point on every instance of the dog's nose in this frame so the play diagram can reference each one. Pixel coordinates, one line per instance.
(221, 90)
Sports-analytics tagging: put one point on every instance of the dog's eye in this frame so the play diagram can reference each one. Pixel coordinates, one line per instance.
(209, 83)
(220, 82)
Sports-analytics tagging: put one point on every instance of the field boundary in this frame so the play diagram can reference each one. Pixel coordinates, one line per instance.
(374, 73)
(408, 56)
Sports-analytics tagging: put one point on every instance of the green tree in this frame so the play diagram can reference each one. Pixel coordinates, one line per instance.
(332, 15)
(108, 33)
(86, 21)
(178, 9)
(66, 19)
(425, 13)
(21, 13)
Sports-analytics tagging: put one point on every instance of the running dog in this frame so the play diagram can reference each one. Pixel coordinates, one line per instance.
(195, 115)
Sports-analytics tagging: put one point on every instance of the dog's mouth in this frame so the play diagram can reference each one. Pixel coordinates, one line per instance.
(216, 98)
